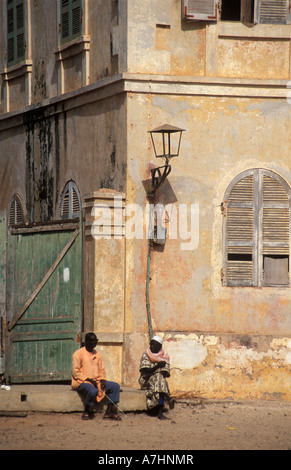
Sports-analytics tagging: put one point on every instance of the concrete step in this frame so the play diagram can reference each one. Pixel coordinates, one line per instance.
(60, 399)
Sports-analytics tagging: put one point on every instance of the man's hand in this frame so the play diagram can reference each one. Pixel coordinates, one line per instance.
(102, 384)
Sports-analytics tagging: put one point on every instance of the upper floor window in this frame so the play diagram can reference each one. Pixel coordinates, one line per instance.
(15, 31)
(71, 201)
(231, 10)
(256, 11)
(257, 230)
(71, 19)
(246, 11)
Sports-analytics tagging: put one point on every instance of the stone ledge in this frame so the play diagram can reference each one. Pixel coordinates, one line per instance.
(60, 399)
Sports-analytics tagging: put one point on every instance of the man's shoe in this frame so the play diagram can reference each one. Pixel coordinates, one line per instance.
(88, 415)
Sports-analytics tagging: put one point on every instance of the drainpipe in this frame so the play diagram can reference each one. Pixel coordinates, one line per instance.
(151, 198)
(148, 289)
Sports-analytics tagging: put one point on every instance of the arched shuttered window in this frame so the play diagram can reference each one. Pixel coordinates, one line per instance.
(15, 211)
(257, 230)
(71, 201)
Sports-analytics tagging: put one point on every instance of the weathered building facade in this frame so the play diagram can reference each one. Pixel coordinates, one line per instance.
(82, 83)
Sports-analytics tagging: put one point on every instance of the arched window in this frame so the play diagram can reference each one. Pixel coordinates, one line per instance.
(257, 230)
(15, 211)
(70, 202)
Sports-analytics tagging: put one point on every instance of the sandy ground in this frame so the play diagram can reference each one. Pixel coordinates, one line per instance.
(191, 426)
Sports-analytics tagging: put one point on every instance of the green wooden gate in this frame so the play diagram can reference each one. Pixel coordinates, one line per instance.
(44, 302)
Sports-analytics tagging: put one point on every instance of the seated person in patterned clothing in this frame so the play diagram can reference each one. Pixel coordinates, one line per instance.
(154, 369)
(88, 378)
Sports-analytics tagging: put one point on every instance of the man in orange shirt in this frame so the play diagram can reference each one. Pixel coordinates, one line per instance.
(88, 378)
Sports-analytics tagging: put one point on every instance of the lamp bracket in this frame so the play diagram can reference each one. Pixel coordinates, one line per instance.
(159, 175)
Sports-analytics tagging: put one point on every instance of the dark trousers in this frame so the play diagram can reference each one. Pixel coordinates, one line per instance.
(112, 390)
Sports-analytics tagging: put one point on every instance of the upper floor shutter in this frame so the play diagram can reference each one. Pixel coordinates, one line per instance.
(200, 10)
(15, 32)
(71, 19)
(272, 11)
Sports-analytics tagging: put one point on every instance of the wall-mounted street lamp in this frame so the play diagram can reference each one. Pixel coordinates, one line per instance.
(166, 141)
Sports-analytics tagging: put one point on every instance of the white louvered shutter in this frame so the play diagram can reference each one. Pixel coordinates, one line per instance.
(202, 10)
(257, 230)
(272, 11)
(275, 232)
(239, 233)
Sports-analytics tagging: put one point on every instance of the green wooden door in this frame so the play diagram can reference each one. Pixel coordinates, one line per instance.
(44, 302)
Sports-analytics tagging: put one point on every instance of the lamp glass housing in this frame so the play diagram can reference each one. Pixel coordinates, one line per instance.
(166, 141)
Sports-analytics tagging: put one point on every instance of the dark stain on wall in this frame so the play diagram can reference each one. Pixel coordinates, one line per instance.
(40, 91)
(42, 164)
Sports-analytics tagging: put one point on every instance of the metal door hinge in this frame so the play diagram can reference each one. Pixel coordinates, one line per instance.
(222, 276)
(223, 209)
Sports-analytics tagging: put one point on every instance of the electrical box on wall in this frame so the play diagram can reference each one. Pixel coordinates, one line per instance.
(201, 10)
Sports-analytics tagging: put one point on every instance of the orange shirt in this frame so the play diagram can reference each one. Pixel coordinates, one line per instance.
(87, 365)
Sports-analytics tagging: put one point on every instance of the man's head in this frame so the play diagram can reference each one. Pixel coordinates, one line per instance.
(90, 341)
(156, 344)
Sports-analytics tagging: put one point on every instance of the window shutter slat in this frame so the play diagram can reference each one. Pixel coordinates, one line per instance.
(65, 19)
(20, 16)
(11, 219)
(239, 273)
(10, 36)
(76, 21)
(10, 20)
(20, 47)
(65, 25)
(66, 205)
(10, 50)
(243, 191)
(200, 10)
(275, 225)
(275, 217)
(273, 191)
(240, 224)
(18, 213)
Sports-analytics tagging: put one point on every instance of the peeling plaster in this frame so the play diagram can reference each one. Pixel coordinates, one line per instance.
(215, 363)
